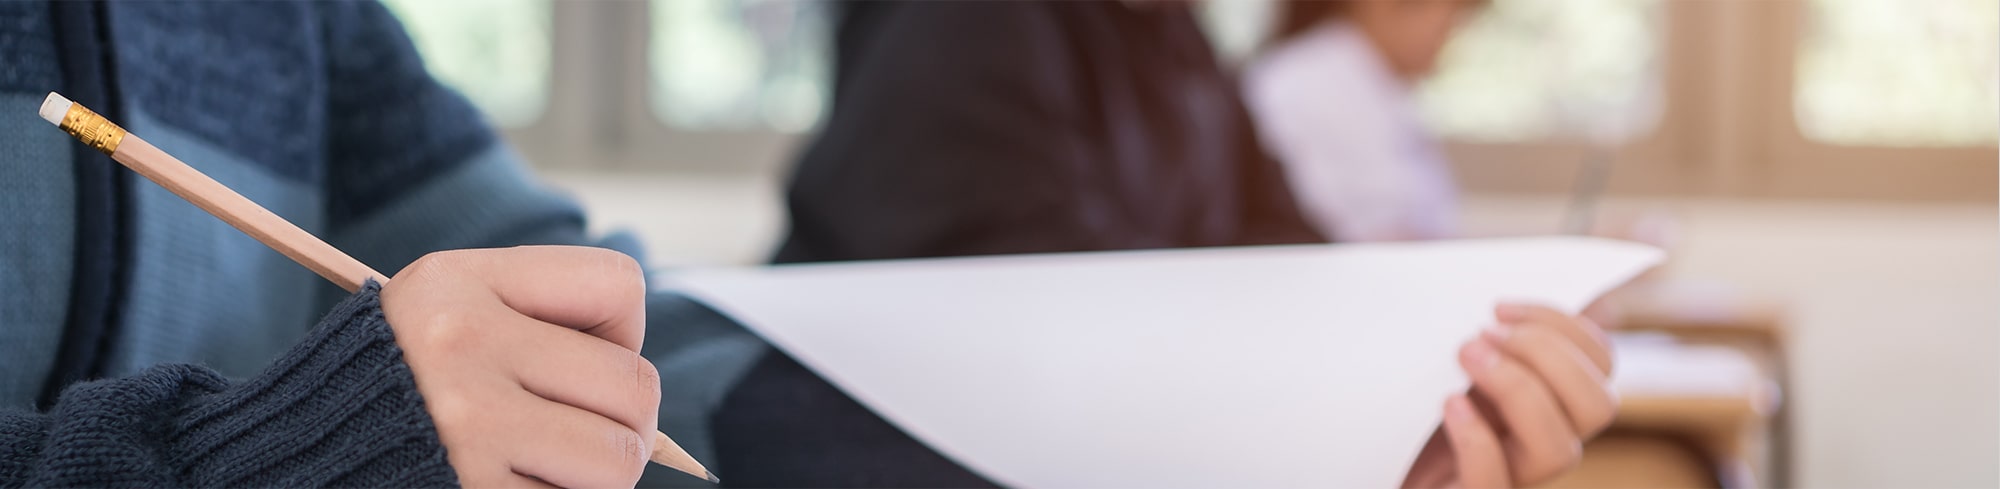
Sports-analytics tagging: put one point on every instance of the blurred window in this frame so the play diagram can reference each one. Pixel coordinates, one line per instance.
(740, 64)
(1235, 28)
(1899, 72)
(1526, 70)
(496, 52)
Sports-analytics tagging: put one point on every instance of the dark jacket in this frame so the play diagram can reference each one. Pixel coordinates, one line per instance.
(966, 128)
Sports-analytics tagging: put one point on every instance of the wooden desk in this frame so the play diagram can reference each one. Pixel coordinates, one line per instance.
(1700, 381)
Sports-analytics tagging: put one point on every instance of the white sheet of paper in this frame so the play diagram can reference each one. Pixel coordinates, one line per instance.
(1290, 366)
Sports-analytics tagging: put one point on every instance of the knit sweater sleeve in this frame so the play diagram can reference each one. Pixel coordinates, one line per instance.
(339, 410)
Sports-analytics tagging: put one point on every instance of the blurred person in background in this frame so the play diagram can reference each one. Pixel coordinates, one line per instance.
(1332, 97)
(973, 128)
(1060, 127)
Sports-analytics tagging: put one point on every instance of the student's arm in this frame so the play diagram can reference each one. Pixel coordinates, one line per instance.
(414, 169)
(510, 367)
(341, 410)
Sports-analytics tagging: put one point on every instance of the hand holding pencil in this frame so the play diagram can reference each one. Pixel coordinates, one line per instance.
(528, 362)
(527, 358)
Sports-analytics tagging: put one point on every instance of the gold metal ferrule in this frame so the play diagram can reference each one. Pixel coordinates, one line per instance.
(94, 130)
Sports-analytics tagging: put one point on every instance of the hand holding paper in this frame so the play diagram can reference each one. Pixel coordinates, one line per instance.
(1544, 375)
(1297, 366)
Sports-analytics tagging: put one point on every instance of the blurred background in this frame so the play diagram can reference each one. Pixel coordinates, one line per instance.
(1823, 171)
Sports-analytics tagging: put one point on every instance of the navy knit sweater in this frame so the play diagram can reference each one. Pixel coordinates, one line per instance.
(323, 113)
(343, 404)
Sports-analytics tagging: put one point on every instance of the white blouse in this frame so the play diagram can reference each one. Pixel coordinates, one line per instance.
(1346, 130)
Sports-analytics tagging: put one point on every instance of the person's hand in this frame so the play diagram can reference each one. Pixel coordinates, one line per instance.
(527, 359)
(1539, 389)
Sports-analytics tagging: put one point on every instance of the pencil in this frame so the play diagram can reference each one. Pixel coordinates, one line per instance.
(260, 223)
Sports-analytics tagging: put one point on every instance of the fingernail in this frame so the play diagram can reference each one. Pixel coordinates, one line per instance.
(1480, 356)
(1497, 333)
(1510, 312)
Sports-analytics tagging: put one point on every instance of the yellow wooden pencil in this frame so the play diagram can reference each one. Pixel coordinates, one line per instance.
(260, 223)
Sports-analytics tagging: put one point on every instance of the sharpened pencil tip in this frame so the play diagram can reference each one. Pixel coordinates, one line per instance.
(713, 479)
(54, 108)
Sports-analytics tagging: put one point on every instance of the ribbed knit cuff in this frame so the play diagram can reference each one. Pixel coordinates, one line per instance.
(339, 410)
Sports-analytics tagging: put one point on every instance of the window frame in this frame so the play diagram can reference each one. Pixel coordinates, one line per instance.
(1728, 128)
(1802, 167)
(600, 115)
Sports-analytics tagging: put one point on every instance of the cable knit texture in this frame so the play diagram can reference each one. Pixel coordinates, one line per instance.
(340, 410)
